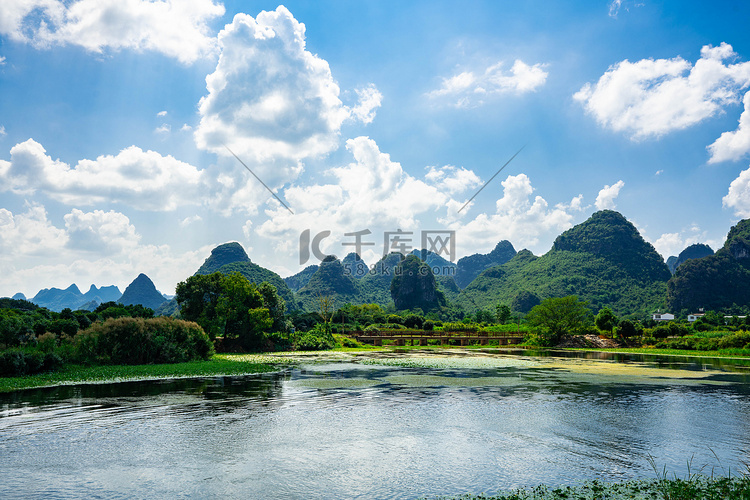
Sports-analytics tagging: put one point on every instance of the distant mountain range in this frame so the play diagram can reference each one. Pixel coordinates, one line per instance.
(56, 299)
(603, 260)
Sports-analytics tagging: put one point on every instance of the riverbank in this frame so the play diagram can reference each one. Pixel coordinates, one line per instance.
(218, 365)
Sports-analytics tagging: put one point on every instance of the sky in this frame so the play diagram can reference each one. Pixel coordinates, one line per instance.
(136, 135)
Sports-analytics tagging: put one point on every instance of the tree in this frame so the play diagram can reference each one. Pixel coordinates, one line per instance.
(275, 304)
(606, 320)
(555, 317)
(626, 329)
(502, 311)
(326, 307)
(229, 306)
(198, 297)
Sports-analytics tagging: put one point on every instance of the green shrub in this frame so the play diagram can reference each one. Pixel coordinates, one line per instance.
(277, 341)
(15, 362)
(137, 341)
(316, 339)
(372, 329)
(345, 341)
(428, 326)
(737, 340)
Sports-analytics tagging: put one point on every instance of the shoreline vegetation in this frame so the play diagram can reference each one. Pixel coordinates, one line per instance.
(252, 364)
(694, 486)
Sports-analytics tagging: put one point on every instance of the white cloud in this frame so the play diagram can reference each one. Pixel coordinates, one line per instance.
(669, 244)
(453, 179)
(659, 172)
(271, 101)
(614, 7)
(176, 28)
(2, 131)
(469, 88)
(144, 180)
(161, 113)
(369, 100)
(163, 129)
(93, 247)
(732, 146)
(2, 60)
(524, 221)
(738, 197)
(649, 98)
(606, 197)
(189, 220)
(373, 192)
(29, 234)
(185, 128)
(100, 232)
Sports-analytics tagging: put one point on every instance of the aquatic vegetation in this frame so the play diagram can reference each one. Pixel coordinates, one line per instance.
(464, 362)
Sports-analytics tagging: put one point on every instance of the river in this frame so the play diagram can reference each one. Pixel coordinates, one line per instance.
(405, 425)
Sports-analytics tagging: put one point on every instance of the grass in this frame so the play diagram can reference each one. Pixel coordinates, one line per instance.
(219, 364)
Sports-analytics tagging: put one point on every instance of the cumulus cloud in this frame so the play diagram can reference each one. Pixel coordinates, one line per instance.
(92, 247)
(369, 100)
(2, 60)
(2, 131)
(176, 28)
(731, 146)
(100, 232)
(144, 180)
(524, 221)
(271, 101)
(470, 88)
(29, 233)
(738, 197)
(649, 98)
(606, 197)
(669, 244)
(453, 179)
(373, 192)
(161, 113)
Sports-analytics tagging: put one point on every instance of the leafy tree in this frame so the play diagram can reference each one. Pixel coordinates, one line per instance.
(230, 306)
(626, 329)
(606, 320)
(198, 297)
(555, 317)
(483, 316)
(502, 311)
(240, 307)
(275, 304)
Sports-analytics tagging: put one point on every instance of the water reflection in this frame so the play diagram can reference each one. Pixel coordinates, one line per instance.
(347, 430)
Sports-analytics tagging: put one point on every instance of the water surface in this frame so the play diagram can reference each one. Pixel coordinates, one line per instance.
(450, 425)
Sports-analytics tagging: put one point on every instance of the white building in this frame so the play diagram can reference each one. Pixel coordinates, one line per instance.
(693, 317)
(662, 317)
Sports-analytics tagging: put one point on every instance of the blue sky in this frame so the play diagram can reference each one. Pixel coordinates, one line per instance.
(372, 115)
